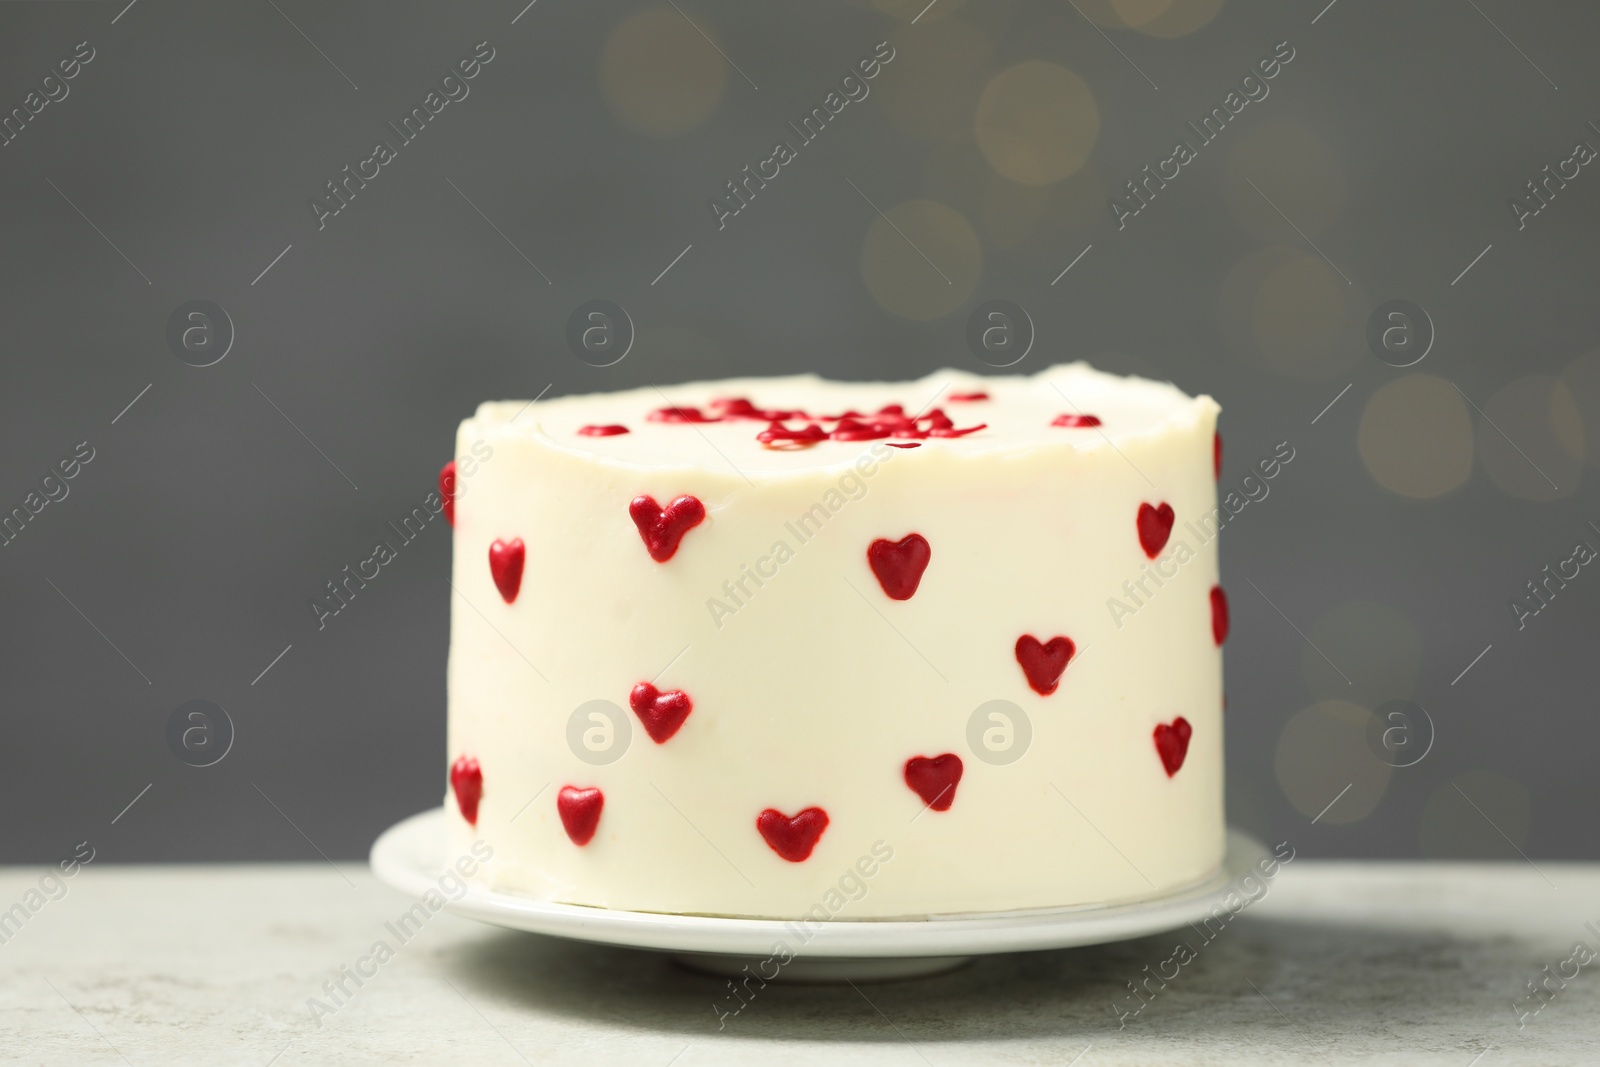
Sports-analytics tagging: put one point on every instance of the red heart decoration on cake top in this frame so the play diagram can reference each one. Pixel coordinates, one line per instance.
(1043, 662)
(1216, 455)
(792, 838)
(934, 779)
(1076, 422)
(661, 528)
(466, 779)
(1155, 526)
(661, 713)
(1172, 743)
(580, 812)
(1219, 615)
(505, 564)
(447, 491)
(899, 564)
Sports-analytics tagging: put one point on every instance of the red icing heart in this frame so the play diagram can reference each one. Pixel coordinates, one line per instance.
(661, 713)
(1076, 422)
(580, 812)
(610, 429)
(792, 838)
(1219, 615)
(1155, 526)
(1043, 663)
(1216, 455)
(466, 778)
(1172, 743)
(505, 564)
(447, 491)
(899, 564)
(662, 528)
(935, 779)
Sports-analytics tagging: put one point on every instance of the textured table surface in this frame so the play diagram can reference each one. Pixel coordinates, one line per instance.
(1339, 963)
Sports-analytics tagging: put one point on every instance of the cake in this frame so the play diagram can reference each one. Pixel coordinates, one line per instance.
(788, 648)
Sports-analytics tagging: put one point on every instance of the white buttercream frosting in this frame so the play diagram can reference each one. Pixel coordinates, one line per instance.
(810, 686)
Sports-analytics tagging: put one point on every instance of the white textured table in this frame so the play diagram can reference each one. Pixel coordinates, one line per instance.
(1340, 963)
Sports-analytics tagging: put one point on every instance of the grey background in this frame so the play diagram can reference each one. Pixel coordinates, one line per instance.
(188, 548)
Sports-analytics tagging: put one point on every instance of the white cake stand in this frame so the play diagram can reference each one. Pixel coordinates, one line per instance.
(409, 857)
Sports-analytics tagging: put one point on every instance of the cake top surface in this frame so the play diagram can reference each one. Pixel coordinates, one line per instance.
(804, 422)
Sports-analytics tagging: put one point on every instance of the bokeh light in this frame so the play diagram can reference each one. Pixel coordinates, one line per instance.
(931, 91)
(1374, 645)
(659, 76)
(1158, 18)
(1525, 440)
(1008, 214)
(922, 261)
(1101, 13)
(1471, 816)
(1169, 18)
(1582, 379)
(1303, 306)
(1322, 750)
(1292, 166)
(1416, 437)
(1137, 13)
(1284, 310)
(1036, 122)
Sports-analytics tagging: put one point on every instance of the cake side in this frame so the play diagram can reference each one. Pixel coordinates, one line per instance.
(816, 675)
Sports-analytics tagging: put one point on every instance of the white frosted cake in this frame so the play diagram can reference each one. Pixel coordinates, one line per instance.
(793, 648)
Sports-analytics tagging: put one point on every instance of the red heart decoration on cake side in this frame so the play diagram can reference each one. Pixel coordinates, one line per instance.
(899, 564)
(1216, 456)
(466, 779)
(661, 713)
(934, 779)
(792, 838)
(447, 491)
(505, 564)
(580, 812)
(1044, 662)
(661, 528)
(1172, 743)
(1155, 526)
(1219, 615)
